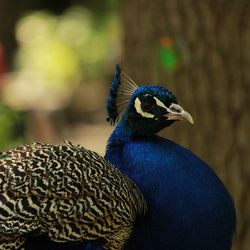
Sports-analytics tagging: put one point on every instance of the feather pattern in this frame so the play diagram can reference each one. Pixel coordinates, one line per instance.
(67, 192)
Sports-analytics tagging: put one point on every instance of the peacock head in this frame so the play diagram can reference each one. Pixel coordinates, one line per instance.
(143, 110)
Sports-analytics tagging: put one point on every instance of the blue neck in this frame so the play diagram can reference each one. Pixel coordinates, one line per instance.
(123, 134)
(120, 136)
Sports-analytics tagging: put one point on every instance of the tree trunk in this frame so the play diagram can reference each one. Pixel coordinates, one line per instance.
(201, 51)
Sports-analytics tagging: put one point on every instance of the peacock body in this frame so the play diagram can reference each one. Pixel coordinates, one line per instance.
(189, 208)
(71, 194)
(66, 192)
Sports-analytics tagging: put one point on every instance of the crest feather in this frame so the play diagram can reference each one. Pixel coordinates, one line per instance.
(121, 89)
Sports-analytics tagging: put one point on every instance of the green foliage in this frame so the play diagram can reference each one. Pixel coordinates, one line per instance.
(56, 54)
(67, 47)
(171, 53)
(168, 58)
(11, 128)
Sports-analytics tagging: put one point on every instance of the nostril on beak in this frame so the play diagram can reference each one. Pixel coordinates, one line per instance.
(175, 108)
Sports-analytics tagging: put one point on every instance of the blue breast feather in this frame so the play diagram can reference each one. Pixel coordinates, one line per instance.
(189, 207)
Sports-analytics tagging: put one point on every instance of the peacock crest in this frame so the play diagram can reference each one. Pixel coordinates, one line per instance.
(121, 89)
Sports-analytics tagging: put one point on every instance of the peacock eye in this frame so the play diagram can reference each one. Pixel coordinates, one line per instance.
(147, 103)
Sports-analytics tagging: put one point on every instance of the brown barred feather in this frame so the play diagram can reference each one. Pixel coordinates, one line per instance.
(67, 191)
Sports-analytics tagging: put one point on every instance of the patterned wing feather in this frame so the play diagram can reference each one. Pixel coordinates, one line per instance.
(67, 191)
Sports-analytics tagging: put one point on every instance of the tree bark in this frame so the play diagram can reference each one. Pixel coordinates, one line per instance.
(211, 78)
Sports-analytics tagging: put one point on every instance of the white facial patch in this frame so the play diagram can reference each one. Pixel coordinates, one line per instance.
(172, 106)
(140, 111)
(160, 103)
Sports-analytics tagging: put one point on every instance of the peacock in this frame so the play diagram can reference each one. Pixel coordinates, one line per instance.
(59, 195)
(189, 208)
(54, 195)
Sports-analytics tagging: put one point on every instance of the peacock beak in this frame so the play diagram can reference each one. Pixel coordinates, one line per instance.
(177, 113)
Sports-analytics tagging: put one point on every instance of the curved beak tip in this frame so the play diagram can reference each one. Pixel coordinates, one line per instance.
(189, 118)
(191, 121)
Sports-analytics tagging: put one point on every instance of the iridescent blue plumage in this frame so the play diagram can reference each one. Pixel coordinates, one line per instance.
(111, 103)
(189, 207)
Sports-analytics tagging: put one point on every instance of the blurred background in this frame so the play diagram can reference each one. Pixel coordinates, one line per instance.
(57, 59)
